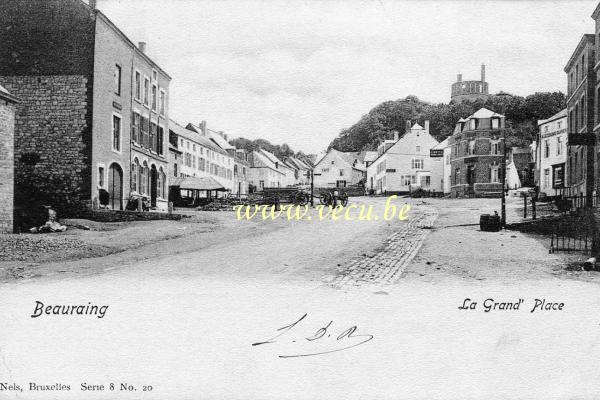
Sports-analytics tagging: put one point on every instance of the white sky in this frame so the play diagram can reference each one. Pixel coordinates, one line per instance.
(298, 72)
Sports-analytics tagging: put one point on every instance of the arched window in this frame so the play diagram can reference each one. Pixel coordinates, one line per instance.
(134, 175)
(144, 178)
(162, 182)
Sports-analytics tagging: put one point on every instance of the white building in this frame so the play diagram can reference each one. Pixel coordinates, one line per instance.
(551, 154)
(440, 170)
(339, 169)
(201, 156)
(264, 172)
(404, 163)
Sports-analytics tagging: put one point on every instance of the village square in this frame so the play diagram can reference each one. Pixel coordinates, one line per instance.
(97, 174)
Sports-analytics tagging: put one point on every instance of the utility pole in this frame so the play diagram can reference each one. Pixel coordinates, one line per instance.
(503, 209)
(310, 174)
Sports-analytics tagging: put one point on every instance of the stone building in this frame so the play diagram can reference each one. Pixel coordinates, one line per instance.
(470, 90)
(580, 117)
(7, 126)
(477, 151)
(241, 171)
(94, 107)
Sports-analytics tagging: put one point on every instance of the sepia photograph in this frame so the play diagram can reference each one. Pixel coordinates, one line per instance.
(303, 199)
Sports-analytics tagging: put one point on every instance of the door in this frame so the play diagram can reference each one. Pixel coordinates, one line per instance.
(115, 187)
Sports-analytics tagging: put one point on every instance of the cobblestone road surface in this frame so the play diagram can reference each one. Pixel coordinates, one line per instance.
(388, 263)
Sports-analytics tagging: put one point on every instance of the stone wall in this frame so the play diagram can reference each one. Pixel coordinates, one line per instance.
(119, 216)
(7, 119)
(52, 141)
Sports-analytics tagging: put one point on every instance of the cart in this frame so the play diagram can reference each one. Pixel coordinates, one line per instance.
(333, 197)
(291, 195)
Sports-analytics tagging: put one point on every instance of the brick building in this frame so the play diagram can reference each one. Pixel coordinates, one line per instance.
(469, 90)
(7, 127)
(93, 111)
(477, 151)
(580, 116)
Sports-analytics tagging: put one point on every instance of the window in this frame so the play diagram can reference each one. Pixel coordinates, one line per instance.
(116, 142)
(495, 174)
(559, 124)
(341, 172)
(333, 162)
(546, 148)
(135, 127)
(194, 147)
(154, 75)
(143, 178)
(261, 185)
(495, 148)
(154, 89)
(545, 128)
(558, 146)
(162, 103)
(175, 170)
(473, 123)
(146, 91)
(417, 163)
(181, 143)
(160, 141)
(471, 147)
(457, 176)
(101, 177)
(546, 181)
(324, 169)
(495, 123)
(138, 85)
(153, 133)
(425, 181)
(134, 175)
(117, 79)
(418, 150)
(144, 136)
(408, 180)
(201, 164)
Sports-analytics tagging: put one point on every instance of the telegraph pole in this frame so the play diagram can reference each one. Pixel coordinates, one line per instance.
(503, 208)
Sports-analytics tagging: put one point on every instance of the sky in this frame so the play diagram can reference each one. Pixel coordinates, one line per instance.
(298, 72)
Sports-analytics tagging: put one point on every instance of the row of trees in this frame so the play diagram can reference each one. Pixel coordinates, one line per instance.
(281, 151)
(522, 114)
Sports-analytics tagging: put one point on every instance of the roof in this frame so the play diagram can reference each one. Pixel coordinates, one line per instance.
(588, 37)
(194, 136)
(558, 115)
(596, 12)
(441, 145)
(485, 113)
(264, 160)
(128, 41)
(219, 140)
(370, 156)
(197, 183)
(5, 94)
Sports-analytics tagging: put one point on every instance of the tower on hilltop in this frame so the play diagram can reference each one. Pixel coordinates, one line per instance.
(470, 90)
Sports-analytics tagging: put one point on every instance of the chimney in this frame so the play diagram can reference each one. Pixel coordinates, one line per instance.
(407, 125)
(221, 134)
(142, 46)
(459, 78)
(482, 72)
(202, 126)
(395, 136)
(92, 4)
(427, 126)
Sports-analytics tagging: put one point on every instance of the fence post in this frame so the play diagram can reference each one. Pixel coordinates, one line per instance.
(525, 206)
(533, 207)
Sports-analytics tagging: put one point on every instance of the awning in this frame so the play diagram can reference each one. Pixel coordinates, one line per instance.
(197, 183)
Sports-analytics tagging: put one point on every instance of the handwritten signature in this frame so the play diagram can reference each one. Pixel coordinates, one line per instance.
(322, 338)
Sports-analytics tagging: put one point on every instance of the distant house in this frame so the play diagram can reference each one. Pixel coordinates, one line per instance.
(339, 169)
(441, 170)
(550, 155)
(404, 163)
(518, 170)
(264, 171)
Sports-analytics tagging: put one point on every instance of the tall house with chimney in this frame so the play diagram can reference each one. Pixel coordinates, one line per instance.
(404, 163)
(470, 90)
(581, 82)
(92, 125)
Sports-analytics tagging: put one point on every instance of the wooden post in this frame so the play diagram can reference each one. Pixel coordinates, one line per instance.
(525, 206)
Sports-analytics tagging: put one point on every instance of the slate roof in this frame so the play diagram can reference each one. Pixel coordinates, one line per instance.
(194, 136)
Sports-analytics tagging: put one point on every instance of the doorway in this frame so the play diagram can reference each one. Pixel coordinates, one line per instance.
(115, 187)
(153, 185)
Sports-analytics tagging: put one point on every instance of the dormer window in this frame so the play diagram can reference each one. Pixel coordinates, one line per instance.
(473, 123)
(462, 126)
(276, 164)
(495, 123)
